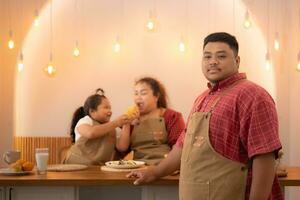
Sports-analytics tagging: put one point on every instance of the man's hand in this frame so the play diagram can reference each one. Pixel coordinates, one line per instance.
(167, 166)
(143, 176)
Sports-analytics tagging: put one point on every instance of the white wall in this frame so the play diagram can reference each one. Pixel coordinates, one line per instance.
(292, 48)
(7, 81)
(48, 107)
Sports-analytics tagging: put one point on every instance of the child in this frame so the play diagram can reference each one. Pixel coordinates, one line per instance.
(93, 134)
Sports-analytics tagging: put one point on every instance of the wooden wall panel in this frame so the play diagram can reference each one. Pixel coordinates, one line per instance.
(27, 147)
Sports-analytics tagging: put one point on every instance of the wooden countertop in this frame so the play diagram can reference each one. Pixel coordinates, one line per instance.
(293, 177)
(93, 176)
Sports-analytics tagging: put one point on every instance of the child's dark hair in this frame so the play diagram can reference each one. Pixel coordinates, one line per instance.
(223, 37)
(158, 90)
(90, 104)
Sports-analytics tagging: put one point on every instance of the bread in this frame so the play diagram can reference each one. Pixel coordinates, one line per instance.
(22, 165)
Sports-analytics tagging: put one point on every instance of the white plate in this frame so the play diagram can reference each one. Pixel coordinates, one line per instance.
(66, 167)
(124, 164)
(10, 172)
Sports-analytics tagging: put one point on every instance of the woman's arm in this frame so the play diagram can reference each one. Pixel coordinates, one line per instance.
(123, 141)
(175, 125)
(99, 130)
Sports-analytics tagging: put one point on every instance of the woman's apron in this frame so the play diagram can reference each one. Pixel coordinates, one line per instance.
(205, 174)
(149, 140)
(92, 151)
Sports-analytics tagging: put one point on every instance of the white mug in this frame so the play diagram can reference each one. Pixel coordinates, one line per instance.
(11, 156)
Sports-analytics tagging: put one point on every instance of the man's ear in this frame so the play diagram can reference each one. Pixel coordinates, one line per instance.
(237, 60)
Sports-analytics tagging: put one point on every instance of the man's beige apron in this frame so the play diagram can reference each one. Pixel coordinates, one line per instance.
(149, 140)
(92, 151)
(205, 174)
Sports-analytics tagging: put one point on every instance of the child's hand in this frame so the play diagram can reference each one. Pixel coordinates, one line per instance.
(121, 120)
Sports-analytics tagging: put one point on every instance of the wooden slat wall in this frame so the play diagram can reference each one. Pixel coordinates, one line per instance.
(27, 147)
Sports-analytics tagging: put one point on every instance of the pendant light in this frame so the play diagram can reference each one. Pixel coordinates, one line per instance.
(117, 44)
(276, 42)
(36, 21)
(20, 62)
(20, 65)
(11, 43)
(268, 64)
(50, 70)
(298, 63)
(76, 51)
(152, 25)
(182, 41)
(247, 21)
(181, 45)
(267, 61)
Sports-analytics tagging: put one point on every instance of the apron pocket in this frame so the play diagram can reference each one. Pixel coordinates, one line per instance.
(187, 147)
(194, 191)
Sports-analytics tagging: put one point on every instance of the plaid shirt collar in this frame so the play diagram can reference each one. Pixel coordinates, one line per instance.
(226, 82)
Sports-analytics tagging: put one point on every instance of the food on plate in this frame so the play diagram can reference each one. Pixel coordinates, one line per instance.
(16, 167)
(21, 161)
(21, 165)
(27, 166)
(126, 162)
(131, 111)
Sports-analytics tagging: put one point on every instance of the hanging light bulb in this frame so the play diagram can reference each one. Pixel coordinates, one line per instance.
(117, 46)
(247, 21)
(298, 63)
(276, 42)
(76, 51)
(50, 70)
(20, 63)
(268, 62)
(151, 24)
(36, 21)
(11, 43)
(181, 45)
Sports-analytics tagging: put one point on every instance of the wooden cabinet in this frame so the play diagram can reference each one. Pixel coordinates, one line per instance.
(117, 192)
(2, 195)
(40, 193)
(114, 192)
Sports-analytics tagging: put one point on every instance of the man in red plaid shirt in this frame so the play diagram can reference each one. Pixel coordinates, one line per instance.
(231, 141)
